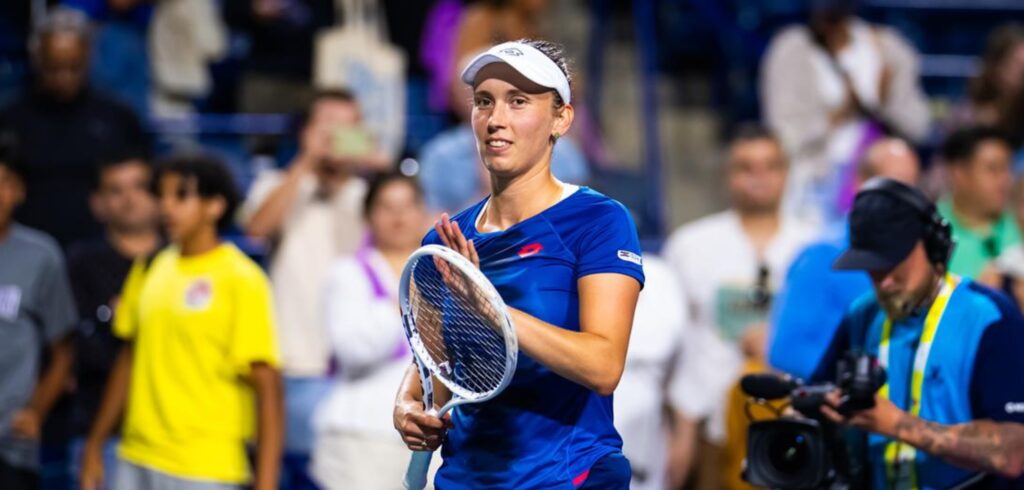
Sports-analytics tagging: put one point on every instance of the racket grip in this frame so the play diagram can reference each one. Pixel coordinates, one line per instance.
(416, 474)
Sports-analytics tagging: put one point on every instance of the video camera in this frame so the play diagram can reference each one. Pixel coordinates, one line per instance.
(806, 451)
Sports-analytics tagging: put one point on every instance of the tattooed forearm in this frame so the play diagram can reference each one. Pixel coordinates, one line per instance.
(979, 445)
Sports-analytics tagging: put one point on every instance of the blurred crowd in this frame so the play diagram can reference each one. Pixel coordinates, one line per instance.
(89, 198)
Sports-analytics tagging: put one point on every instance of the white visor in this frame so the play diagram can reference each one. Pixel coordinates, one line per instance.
(529, 61)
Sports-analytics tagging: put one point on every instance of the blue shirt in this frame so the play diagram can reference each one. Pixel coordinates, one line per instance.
(973, 371)
(450, 168)
(801, 334)
(544, 430)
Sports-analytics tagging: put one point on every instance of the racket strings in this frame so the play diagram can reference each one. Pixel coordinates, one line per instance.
(465, 329)
(460, 352)
(459, 329)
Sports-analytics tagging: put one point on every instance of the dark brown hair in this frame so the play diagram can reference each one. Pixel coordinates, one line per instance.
(556, 53)
(11, 159)
(213, 179)
(984, 88)
(336, 94)
(752, 131)
(380, 181)
(960, 146)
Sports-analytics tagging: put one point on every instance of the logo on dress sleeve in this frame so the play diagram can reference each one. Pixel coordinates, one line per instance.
(10, 301)
(198, 294)
(630, 257)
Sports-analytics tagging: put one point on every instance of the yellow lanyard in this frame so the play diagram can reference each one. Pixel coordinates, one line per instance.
(900, 458)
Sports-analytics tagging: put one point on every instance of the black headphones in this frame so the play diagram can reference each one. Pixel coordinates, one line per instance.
(938, 235)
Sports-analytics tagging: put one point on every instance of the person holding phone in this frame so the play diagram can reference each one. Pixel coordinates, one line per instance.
(309, 214)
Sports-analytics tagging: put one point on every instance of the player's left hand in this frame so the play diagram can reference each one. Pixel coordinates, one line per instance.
(420, 431)
(26, 423)
(453, 238)
(882, 419)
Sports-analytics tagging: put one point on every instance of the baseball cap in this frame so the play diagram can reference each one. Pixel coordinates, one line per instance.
(883, 231)
(529, 61)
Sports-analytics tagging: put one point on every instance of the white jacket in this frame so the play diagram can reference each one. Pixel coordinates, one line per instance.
(365, 331)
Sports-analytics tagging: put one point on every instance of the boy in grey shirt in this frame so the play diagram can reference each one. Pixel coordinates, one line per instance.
(36, 313)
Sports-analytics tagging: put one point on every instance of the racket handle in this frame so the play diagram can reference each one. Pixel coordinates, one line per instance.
(416, 474)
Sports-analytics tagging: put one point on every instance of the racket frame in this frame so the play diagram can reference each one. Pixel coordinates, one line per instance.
(459, 396)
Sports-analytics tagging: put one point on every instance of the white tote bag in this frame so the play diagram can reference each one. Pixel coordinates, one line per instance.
(358, 56)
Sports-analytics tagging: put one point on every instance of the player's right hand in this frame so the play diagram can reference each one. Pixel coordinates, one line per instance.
(420, 430)
(452, 237)
(90, 477)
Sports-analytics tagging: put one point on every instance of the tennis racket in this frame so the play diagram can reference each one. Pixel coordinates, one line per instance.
(460, 333)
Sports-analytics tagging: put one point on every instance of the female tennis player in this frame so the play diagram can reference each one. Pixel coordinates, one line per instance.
(566, 260)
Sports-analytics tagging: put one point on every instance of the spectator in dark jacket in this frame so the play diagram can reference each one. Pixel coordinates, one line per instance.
(62, 128)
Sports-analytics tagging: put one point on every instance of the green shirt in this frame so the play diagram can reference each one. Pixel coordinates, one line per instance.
(974, 249)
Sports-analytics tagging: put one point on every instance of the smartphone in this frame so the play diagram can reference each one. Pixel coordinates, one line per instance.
(352, 142)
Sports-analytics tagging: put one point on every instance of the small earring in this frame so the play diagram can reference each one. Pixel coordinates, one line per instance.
(555, 136)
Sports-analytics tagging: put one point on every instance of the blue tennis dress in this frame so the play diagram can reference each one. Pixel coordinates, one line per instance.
(543, 431)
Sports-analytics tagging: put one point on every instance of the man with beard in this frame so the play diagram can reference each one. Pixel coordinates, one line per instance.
(950, 412)
(800, 334)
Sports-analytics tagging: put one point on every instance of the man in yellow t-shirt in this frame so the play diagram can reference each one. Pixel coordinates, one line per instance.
(199, 375)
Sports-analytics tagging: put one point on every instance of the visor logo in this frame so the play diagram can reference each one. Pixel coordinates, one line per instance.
(512, 51)
(1012, 407)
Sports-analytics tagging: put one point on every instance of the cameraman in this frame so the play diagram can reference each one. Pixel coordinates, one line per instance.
(951, 344)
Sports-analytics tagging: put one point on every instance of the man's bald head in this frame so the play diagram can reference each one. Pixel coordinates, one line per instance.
(891, 158)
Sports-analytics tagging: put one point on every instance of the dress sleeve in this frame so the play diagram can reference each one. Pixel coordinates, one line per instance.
(610, 244)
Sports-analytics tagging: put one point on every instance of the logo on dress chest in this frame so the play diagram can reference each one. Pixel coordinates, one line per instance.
(531, 249)
(198, 294)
